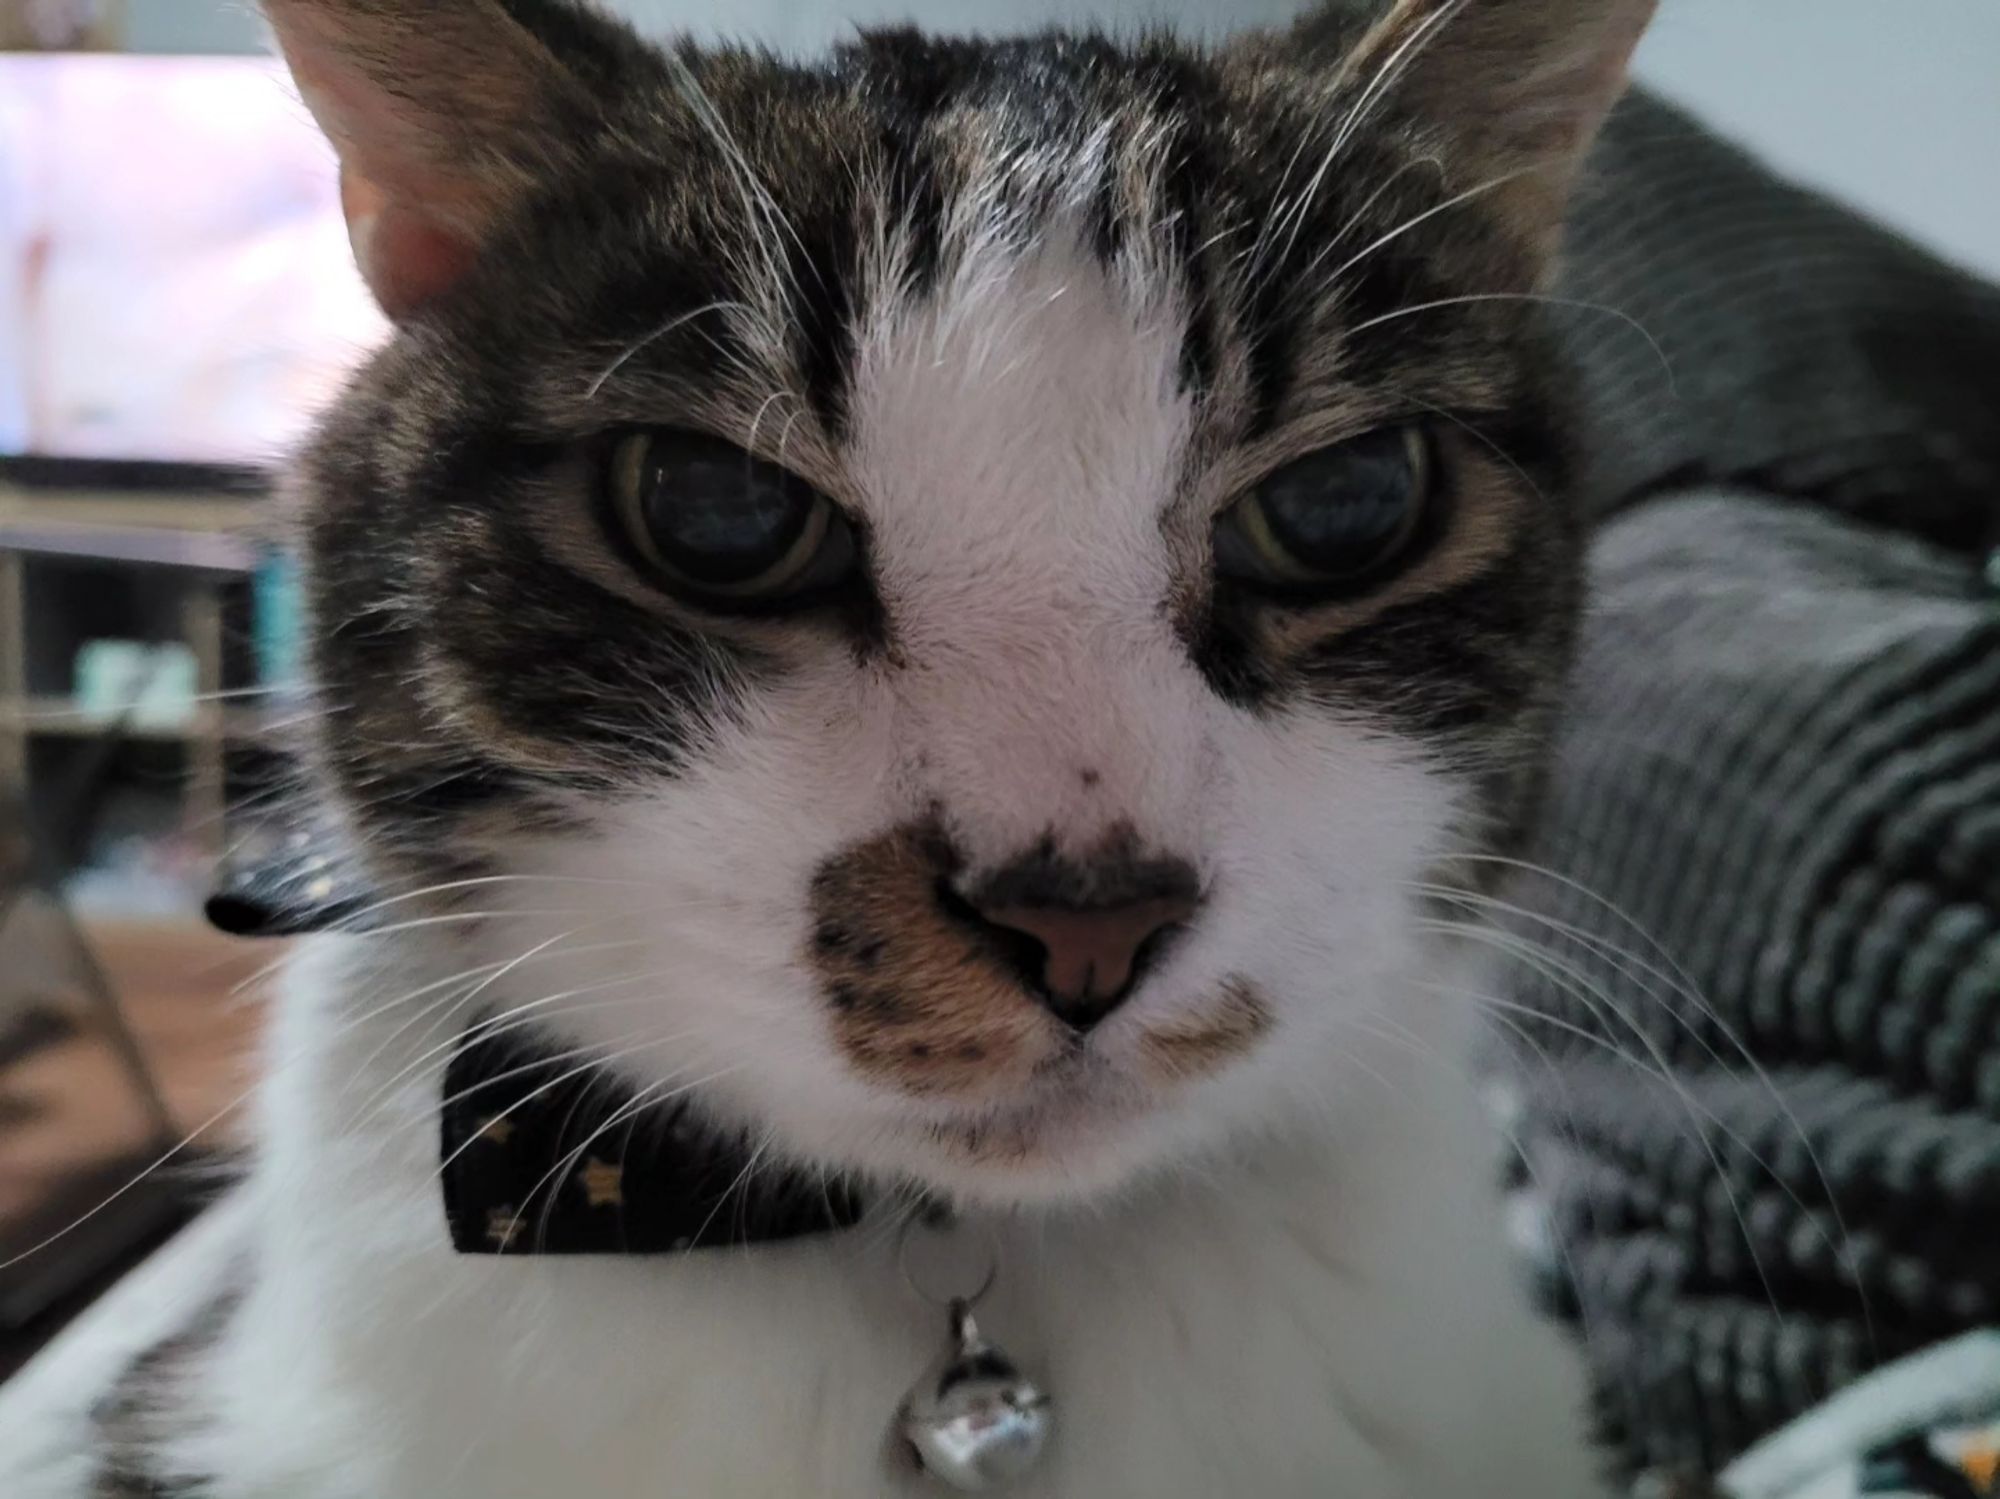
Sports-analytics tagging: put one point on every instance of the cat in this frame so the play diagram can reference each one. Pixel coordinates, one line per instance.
(949, 607)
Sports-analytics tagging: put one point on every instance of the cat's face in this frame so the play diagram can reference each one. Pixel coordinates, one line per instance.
(956, 594)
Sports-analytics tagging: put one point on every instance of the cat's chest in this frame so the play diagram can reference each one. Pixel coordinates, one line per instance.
(1322, 1319)
(1246, 1357)
(788, 1388)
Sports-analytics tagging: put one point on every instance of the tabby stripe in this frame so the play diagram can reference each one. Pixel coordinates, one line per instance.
(136, 1418)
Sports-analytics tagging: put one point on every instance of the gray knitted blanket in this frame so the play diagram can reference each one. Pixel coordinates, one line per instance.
(1753, 1020)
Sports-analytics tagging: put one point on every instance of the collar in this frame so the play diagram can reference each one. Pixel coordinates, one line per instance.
(543, 1157)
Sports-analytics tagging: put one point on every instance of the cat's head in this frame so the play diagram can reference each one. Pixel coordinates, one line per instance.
(956, 593)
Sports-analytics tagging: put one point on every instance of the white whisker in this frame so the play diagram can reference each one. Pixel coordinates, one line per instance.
(1386, 77)
(513, 1018)
(1407, 225)
(1673, 387)
(671, 325)
(1681, 983)
(1599, 1002)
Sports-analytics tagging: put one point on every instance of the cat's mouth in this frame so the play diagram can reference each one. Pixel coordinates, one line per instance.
(1078, 1108)
(1083, 1103)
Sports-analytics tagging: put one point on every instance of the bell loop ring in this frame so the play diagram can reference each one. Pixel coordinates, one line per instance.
(959, 1304)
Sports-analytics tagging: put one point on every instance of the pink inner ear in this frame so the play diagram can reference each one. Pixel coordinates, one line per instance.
(407, 257)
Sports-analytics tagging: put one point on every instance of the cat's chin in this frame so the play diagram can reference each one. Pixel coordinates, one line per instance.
(1075, 1145)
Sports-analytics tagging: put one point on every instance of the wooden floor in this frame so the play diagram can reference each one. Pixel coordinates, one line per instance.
(68, 1101)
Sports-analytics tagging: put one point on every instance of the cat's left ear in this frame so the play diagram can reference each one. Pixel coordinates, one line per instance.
(1515, 89)
(443, 114)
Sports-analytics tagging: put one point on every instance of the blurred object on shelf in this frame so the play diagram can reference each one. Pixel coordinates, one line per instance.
(276, 622)
(61, 25)
(153, 682)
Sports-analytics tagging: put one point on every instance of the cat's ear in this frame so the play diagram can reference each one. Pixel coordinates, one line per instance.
(1518, 88)
(443, 114)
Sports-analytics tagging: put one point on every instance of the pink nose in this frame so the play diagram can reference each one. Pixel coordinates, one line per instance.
(1090, 953)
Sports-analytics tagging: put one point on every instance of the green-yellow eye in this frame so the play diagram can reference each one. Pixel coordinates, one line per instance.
(1332, 521)
(721, 527)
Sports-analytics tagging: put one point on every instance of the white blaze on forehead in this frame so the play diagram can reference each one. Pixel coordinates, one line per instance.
(1031, 388)
(1018, 437)
(1031, 395)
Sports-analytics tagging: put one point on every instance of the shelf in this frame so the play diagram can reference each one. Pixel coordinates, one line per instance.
(215, 531)
(62, 717)
(207, 532)
(111, 509)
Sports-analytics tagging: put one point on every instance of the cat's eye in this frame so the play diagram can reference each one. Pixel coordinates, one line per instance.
(1332, 521)
(723, 528)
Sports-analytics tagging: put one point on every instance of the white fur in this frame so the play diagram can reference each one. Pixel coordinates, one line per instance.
(1284, 1279)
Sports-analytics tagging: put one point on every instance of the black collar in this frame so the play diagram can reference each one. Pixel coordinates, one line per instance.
(543, 1158)
(539, 1157)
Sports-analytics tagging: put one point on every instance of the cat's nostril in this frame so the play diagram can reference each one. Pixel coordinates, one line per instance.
(1079, 930)
(1090, 955)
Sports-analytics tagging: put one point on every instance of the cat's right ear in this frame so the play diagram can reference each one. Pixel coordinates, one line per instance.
(1513, 89)
(443, 115)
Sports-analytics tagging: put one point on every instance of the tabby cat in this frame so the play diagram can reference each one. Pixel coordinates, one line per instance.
(941, 613)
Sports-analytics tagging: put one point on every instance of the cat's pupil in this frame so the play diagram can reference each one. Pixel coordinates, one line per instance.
(1331, 521)
(714, 512)
(1344, 510)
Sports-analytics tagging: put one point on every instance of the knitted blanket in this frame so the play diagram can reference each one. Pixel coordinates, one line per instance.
(1753, 1008)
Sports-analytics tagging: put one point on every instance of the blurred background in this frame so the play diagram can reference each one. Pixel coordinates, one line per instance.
(175, 301)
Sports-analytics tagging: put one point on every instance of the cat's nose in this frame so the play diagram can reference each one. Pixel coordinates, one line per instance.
(1081, 933)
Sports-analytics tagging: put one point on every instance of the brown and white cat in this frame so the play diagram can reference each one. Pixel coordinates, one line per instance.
(944, 604)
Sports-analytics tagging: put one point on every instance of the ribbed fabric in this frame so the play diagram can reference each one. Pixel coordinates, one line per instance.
(1811, 352)
(1760, 1114)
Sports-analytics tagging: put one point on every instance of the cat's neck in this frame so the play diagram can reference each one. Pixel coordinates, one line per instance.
(1328, 1301)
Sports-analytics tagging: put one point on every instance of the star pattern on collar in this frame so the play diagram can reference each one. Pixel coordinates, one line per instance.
(540, 1158)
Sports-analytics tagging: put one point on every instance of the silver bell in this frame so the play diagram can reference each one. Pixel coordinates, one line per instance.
(975, 1420)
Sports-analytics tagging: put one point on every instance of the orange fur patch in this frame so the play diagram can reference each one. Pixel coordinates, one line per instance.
(1206, 1042)
(917, 1003)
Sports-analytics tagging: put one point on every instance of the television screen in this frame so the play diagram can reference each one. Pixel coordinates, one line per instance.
(176, 284)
